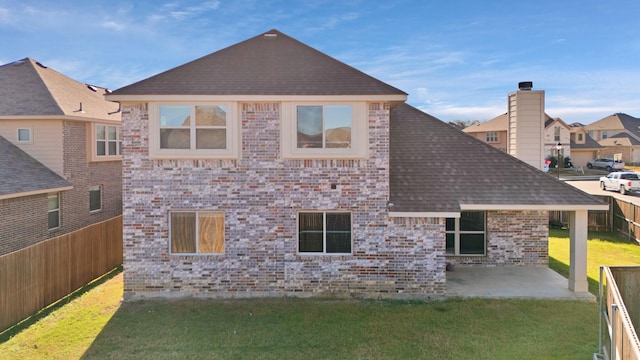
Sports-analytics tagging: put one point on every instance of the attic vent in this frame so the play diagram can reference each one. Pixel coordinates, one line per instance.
(92, 88)
(40, 64)
(525, 85)
(270, 36)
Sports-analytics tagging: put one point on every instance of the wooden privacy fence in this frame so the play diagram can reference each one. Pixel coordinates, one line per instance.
(623, 217)
(37, 276)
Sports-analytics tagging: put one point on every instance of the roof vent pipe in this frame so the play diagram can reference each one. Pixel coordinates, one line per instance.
(525, 85)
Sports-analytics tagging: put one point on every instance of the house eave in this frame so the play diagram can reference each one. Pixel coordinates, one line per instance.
(60, 117)
(533, 207)
(34, 192)
(424, 214)
(255, 98)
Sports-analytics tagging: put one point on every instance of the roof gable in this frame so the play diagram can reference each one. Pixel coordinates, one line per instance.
(28, 88)
(21, 173)
(437, 168)
(268, 64)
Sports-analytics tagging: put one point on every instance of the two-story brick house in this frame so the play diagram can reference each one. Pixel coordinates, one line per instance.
(60, 159)
(269, 168)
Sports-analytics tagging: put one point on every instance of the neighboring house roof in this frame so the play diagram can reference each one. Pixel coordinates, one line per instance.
(23, 175)
(589, 143)
(431, 171)
(501, 123)
(617, 121)
(498, 123)
(621, 139)
(268, 64)
(28, 88)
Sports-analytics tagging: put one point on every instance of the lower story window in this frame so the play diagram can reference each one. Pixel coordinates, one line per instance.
(95, 198)
(54, 211)
(324, 232)
(466, 234)
(199, 232)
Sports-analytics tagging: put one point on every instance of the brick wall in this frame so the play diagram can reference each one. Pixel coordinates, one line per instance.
(514, 238)
(261, 195)
(24, 222)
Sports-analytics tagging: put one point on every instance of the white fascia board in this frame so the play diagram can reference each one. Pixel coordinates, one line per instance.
(253, 98)
(35, 192)
(525, 207)
(399, 214)
(61, 117)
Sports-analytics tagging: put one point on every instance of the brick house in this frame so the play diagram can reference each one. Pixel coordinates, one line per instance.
(270, 169)
(61, 161)
(617, 133)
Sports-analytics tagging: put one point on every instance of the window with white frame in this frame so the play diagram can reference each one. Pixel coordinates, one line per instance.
(556, 134)
(324, 232)
(580, 138)
(325, 130)
(95, 198)
(197, 232)
(24, 135)
(54, 211)
(466, 235)
(605, 134)
(492, 136)
(205, 130)
(108, 141)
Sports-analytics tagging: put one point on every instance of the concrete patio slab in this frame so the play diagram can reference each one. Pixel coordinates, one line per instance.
(511, 282)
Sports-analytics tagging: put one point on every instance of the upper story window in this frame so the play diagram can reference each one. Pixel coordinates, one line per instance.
(24, 135)
(492, 136)
(106, 142)
(580, 137)
(325, 130)
(605, 134)
(590, 133)
(556, 134)
(193, 131)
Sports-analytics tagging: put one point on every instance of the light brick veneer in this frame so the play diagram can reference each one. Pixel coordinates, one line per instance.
(514, 238)
(261, 195)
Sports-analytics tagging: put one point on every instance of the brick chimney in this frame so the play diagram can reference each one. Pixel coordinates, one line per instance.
(526, 124)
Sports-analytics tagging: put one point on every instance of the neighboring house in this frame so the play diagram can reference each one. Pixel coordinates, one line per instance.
(617, 134)
(270, 169)
(495, 133)
(60, 162)
(583, 147)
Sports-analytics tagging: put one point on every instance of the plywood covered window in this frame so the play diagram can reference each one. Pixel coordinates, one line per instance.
(200, 232)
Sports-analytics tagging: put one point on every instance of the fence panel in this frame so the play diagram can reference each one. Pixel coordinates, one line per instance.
(37, 276)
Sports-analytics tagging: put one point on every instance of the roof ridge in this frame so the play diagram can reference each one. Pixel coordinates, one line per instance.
(35, 65)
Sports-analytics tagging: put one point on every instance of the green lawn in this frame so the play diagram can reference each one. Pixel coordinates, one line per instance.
(97, 326)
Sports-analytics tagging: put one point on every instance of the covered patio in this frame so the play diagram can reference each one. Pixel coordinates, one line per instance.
(511, 282)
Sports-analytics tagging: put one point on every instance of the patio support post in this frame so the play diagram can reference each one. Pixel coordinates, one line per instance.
(578, 228)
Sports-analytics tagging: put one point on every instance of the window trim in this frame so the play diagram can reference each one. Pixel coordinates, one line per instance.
(49, 211)
(324, 232)
(29, 131)
(93, 139)
(232, 151)
(457, 232)
(91, 189)
(196, 233)
(556, 134)
(359, 133)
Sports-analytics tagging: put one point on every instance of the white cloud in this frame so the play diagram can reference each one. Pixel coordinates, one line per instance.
(113, 25)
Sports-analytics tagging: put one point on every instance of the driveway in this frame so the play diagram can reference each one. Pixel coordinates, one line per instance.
(593, 187)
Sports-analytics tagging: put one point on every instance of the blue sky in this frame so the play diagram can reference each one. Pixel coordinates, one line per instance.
(457, 60)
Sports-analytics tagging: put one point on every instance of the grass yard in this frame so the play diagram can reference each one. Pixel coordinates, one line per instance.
(96, 325)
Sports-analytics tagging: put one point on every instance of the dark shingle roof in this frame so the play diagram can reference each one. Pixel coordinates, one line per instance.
(268, 64)
(21, 173)
(28, 88)
(589, 143)
(436, 168)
